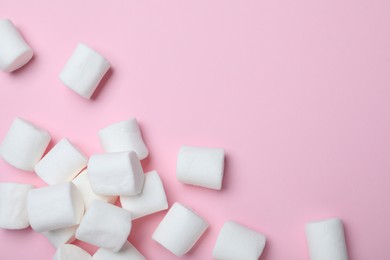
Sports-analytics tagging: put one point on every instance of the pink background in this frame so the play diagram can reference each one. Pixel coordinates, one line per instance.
(297, 92)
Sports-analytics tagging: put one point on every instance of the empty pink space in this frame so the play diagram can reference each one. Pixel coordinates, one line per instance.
(297, 92)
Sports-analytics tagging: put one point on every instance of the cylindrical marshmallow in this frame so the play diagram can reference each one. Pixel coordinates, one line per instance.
(128, 252)
(24, 144)
(71, 252)
(13, 213)
(123, 136)
(179, 230)
(54, 207)
(14, 51)
(61, 236)
(62, 163)
(114, 174)
(201, 166)
(84, 70)
(326, 240)
(237, 242)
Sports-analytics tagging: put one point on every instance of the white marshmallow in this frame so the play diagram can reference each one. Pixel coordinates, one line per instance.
(54, 207)
(128, 252)
(236, 242)
(14, 51)
(82, 183)
(84, 70)
(62, 163)
(151, 199)
(179, 230)
(105, 225)
(61, 236)
(326, 240)
(123, 136)
(116, 174)
(201, 166)
(71, 252)
(24, 144)
(13, 213)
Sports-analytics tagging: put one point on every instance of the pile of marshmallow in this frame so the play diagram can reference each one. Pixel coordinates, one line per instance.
(79, 201)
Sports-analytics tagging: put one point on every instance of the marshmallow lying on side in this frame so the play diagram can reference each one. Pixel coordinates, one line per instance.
(84, 70)
(201, 166)
(113, 174)
(326, 240)
(71, 252)
(24, 144)
(151, 199)
(62, 163)
(82, 183)
(179, 230)
(123, 136)
(236, 242)
(105, 225)
(14, 51)
(13, 213)
(128, 252)
(61, 236)
(54, 207)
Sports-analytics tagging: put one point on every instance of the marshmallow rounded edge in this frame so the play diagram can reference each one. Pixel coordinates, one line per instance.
(61, 236)
(128, 252)
(71, 252)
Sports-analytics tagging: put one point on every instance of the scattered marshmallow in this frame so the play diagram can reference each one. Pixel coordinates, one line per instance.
(62, 163)
(236, 242)
(179, 230)
(201, 166)
(84, 70)
(61, 236)
(71, 252)
(128, 252)
(123, 136)
(326, 240)
(151, 199)
(54, 207)
(13, 213)
(82, 183)
(105, 225)
(24, 144)
(116, 174)
(14, 51)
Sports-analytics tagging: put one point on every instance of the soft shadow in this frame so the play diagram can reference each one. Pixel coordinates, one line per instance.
(347, 241)
(226, 174)
(102, 83)
(265, 253)
(24, 68)
(198, 243)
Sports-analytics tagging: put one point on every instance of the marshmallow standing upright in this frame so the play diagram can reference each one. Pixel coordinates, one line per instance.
(24, 144)
(71, 252)
(54, 207)
(123, 136)
(13, 213)
(84, 70)
(114, 174)
(128, 252)
(201, 166)
(61, 236)
(326, 240)
(236, 242)
(179, 230)
(14, 51)
(62, 163)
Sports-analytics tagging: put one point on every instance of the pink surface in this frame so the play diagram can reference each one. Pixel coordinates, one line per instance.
(297, 92)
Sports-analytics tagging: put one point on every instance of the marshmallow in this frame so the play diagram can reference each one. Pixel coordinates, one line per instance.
(14, 51)
(13, 213)
(62, 163)
(84, 70)
(116, 174)
(82, 183)
(24, 144)
(151, 199)
(61, 236)
(105, 225)
(71, 252)
(128, 252)
(54, 207)
(123, 136)
(179, 230)
(326, 240)
(201, 166)
(236, 242)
